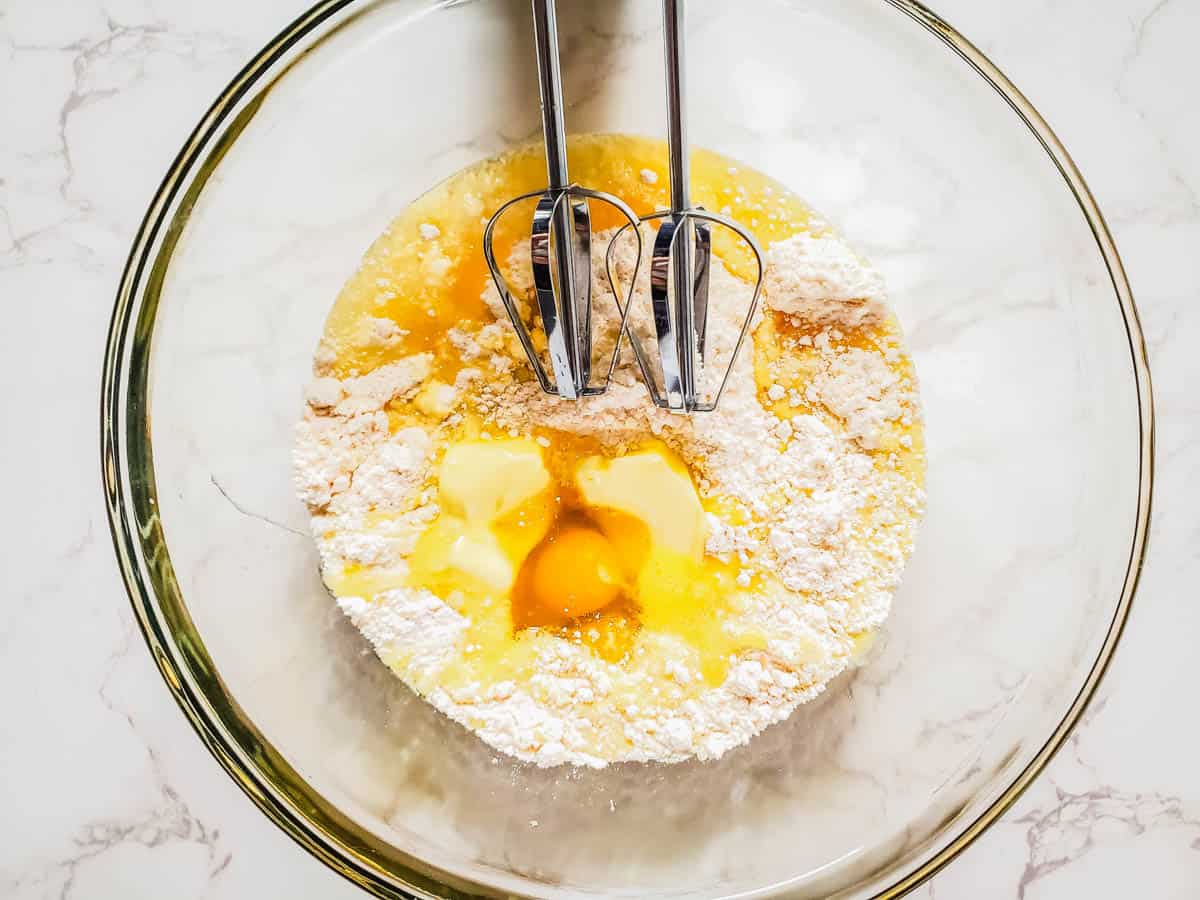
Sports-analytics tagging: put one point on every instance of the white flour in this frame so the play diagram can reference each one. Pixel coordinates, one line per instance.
(827, 511)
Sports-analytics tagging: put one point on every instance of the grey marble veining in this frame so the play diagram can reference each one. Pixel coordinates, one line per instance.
(108, 793)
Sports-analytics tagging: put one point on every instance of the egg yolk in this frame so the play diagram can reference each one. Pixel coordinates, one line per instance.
(575, 572)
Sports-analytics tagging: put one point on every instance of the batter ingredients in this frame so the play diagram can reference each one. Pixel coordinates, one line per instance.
(602, 581)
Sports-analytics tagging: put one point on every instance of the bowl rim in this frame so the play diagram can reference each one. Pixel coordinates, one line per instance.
(260, 771)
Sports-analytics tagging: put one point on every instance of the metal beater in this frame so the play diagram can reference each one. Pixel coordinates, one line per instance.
(681, 259)
(562, 276)
(680, 263)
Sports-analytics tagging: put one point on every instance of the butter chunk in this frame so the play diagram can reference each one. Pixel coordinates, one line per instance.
(482, 480)
(646, 485)
(479, 555)
(457, 556)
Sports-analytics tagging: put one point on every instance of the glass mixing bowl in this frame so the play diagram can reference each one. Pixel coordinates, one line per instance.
(1034, 381)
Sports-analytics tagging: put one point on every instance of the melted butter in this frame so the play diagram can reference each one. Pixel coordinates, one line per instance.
(785, 354)
(696, 602)
(365, 581)
(430, 286)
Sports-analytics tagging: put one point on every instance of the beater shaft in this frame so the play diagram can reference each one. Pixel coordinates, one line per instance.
(562, 274)
(680, 263)
(683, 246)
(545, 40)
(567, 324)
(695, 296)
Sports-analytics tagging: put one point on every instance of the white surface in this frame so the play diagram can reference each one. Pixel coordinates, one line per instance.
(107, 793)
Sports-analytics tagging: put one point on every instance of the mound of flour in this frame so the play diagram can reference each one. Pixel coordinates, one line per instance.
(826, 525)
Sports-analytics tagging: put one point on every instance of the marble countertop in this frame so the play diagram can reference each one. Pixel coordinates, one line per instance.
(106, 791)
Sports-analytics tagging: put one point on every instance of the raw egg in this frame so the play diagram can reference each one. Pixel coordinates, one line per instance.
(576, 571)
